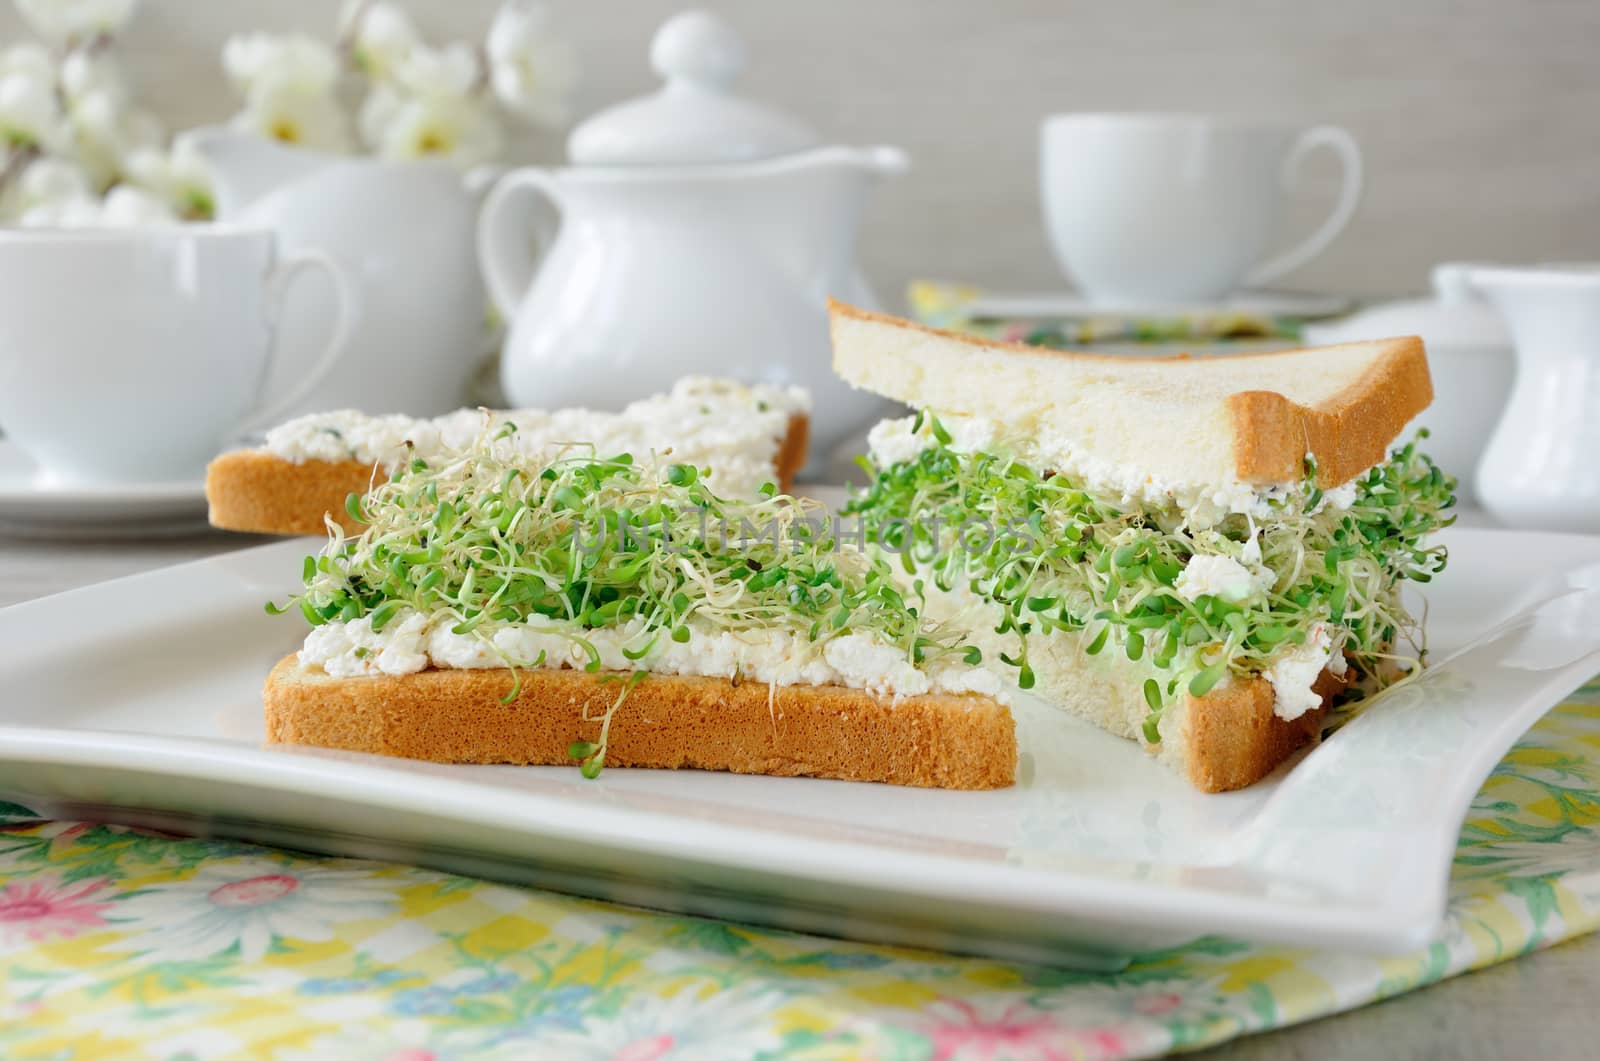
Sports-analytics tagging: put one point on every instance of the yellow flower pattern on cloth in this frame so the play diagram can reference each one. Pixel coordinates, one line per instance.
(120, 943)
(950, 306)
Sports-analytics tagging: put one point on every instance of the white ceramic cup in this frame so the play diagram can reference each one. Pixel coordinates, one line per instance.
(1179, 208)
(132, 356)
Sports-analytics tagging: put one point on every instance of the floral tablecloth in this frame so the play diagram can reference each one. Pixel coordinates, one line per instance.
(951, 306)
(116, 943)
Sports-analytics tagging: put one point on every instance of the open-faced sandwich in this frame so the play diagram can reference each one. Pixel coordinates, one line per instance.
(509, 602)
(746, 435)
(1197, 554)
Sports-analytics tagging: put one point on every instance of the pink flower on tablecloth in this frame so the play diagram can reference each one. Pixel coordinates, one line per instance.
(36, 910)
(962, 1031)
(1157, 1004)
(251, 904)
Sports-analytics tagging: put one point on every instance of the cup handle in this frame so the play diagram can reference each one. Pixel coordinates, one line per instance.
(278, 281)
(508, 258)
(1344, 145)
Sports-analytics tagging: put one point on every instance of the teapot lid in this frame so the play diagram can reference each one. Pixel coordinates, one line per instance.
(695, 117)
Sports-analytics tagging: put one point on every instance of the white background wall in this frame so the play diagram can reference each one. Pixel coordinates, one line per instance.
(1480, 118)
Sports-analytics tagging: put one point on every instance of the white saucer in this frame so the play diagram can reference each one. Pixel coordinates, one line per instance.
(1069, 304)
(31, 505)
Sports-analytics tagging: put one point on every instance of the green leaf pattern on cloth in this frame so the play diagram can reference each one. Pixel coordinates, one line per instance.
(122, 943)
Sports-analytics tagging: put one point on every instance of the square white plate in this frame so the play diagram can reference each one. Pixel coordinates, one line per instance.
(139, 701)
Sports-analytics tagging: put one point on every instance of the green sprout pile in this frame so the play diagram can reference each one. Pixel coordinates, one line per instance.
(586, 542)
(1072, 560)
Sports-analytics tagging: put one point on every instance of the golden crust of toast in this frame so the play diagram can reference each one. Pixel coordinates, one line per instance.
(1233, 739)
(667, 721)
(252, 490)
(1349, 433)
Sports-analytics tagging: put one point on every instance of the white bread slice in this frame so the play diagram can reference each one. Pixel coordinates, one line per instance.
(964, 741)
(1212, 421)
(258, 492)
(1228, 739)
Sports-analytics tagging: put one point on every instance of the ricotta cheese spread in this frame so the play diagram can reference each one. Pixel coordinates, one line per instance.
(1222, 576)
(733, 429)
(1293, 674)
(1205, 504)
(408, 644)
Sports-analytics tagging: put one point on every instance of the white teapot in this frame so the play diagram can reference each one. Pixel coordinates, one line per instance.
(698, 233)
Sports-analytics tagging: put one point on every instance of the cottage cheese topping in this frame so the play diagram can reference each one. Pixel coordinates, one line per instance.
(1224, 577)
(1206, 504)
(1293, 674)
(858, 661)
(348, 649)
(732, 428)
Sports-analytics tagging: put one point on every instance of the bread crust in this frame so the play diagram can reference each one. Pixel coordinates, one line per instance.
(1272, 434)
(1232, 737)
(254, 491)
(1349, 434)
(962, 741)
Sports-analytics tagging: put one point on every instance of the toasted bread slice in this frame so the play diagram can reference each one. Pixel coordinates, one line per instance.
(253, 490)
(1250, 418)
(964, 741)
(1230, 738)
(1227, 739)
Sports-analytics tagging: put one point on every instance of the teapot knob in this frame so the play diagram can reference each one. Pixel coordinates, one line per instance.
(699, 47)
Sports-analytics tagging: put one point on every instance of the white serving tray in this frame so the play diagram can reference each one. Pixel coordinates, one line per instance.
(138, 701)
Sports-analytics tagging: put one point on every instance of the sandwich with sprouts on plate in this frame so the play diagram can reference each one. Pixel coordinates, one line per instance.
(507, 601)
(746, 435)
(1199, 554)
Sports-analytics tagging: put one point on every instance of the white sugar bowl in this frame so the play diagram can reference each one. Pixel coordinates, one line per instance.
(696, 233)
(1470, 358)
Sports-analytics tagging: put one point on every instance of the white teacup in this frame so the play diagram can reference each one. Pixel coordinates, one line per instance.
(134, 355)
(1145, 208)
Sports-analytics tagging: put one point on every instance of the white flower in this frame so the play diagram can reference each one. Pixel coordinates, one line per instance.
(533, 71)
(381, 36)
(129, 207)
(732, 1024)
(104, 131)
(51, 180)
(460, 129)
(32, 60)
(430, 109)
(283, 111)
(265, 63)
(93, 71)
(449, 71)
(77, 212)
(29, 113)
(1526, 858)
(43, 188)
(288, 84)
(249, 902)
(180, 177)
(64, 21)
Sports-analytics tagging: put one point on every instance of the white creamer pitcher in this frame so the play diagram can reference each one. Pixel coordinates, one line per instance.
(697, 233)
(1542, 467)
